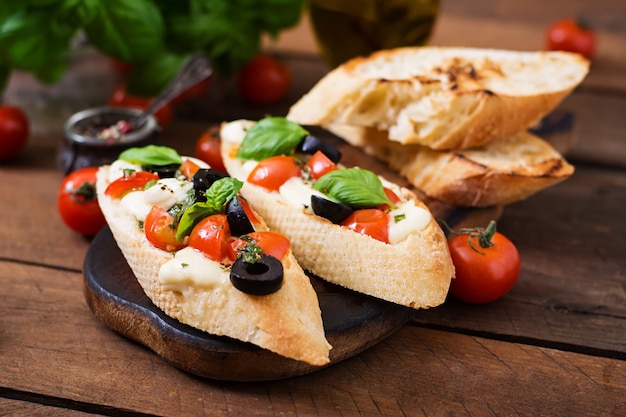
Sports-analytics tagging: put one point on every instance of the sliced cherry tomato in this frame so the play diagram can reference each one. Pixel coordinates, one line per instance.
(372, 222)
(483, 273)
(121, 98)
(264, 80)
(14, 131)
(211, 236)
(77, 202)
(248, 210)
(319, 165)
(133, 182)
(272, 243)
(273, 172)
(572, 36)
(392, 196)
(160, 230)
(208, 149)
(189, 168)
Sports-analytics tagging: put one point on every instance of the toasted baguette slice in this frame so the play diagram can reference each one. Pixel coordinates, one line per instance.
(502, 172)
(442, 98)
(415, 272)
(287, 322)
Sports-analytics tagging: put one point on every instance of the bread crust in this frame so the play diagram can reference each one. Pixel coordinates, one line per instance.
(502, 172)
(443, 98)
(287, 322)
(415, 272)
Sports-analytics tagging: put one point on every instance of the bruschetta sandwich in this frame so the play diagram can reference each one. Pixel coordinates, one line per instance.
(205, 257)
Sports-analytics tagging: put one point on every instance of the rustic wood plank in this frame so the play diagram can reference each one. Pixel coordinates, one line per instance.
(16, 408)
(53, 346)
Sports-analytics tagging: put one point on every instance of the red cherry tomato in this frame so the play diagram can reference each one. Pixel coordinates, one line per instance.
(272, 243)
(264, 80)
(14, 131)
(208, 149)
(273, 172)
(319, 165)
(393, 197)
(77, 202)
(121, 98)
(483, 274)
(571, 36)
(372, 222)
(132, 182)
(211, 237)
(189, 168)
(248, 210)
(159, 230)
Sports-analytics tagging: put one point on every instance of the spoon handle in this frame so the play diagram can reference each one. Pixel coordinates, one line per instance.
(197, 68)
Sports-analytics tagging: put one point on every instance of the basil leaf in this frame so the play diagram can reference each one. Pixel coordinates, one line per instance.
(270, 137)
(151, 155)
(220, 193)
(354, 187)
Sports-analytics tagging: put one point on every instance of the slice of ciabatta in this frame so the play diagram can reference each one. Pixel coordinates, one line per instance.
(442, 97)
(287, 322)
(501, 172)
(415, 272)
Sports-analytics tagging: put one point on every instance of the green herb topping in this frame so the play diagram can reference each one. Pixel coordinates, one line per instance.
(270, 137)
(354, 187)
(151, 155)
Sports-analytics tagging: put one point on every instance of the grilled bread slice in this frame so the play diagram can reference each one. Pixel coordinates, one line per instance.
(502, 172)
(442, 97)
(287, 322)
(415, 272)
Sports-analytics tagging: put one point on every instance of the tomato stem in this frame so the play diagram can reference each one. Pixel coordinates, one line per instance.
(83, 194)
(483, 235)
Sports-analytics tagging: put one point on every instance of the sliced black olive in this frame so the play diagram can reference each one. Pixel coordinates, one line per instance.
(311, 144)
(335, 212)
(238, 220)
(263, 277)
(165, 171)
(203, 179)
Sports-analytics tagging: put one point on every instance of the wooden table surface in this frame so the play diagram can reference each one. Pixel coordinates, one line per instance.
(555, 345)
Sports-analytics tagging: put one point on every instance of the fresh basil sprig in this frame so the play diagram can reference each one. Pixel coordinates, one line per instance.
(269, 137)
(220, 193)
(354, 187)
(152, 155)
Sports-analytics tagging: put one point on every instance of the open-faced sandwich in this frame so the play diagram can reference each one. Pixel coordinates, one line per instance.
(205, 258)
(346, 225)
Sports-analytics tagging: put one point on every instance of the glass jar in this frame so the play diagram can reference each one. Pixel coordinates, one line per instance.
(82, 147)
(345, 29)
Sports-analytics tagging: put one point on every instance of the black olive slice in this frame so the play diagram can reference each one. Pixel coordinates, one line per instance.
(165, 171)
(238, 220)
(203, 179)
(263, 277)
(311, 144)
(335, 212)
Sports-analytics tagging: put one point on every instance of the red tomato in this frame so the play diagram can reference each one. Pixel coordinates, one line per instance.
(393, 197)
(123, 68)
(211, 237)
(319, 164)
(77, 202)
(121, 98)
(208, 149)
(272, 243)
(372, 222)
(160, 230)
(273, 172)
(264, 80)
(189, 168)
(248, 210)
(133, 182)
(571, 36)
(483, 274)
(14, 131)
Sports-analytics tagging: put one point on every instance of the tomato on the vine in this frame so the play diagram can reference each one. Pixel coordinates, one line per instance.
(372, 222)
(487, 264)
(14, 131)
(264, 80)
(273, 172)
(77, 202)
(160, 231)
(572, 36)
(207, 149)
(121, 98)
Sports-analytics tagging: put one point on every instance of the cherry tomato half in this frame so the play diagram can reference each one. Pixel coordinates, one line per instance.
(211, 237)
(189, 168)
(483, 274)
(132, 182)
(372, 222)
(264, 80)
(273, 172)
(77, 202)
(272, 243)
(319, 165)
(392, 196)
(571, 36)
(208, 149)
(160, 230)
(14, 131)
(121, 98)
